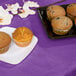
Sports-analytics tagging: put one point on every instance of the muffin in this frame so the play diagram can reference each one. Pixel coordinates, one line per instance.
(22, 36)
(54, 11)
(71, 11)
(5, 41)
(61, 25)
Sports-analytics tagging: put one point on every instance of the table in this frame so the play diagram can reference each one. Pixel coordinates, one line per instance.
(49, 57)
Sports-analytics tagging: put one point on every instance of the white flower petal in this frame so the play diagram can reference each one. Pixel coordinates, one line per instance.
(27, 13)
(26, 8)
(13, 8)
(30, 4)
(14, 12)
(5, 17)
(23, 15)
(3, 11)
(31, 12)
(6, 20)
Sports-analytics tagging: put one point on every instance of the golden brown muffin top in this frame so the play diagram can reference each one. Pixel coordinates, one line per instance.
(62, 23)
(5, 39)
(22, 34)
(55, 10)
(71, 9)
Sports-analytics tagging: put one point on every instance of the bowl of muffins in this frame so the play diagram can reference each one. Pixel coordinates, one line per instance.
(59, 20)
(22, 37)
(16, 44)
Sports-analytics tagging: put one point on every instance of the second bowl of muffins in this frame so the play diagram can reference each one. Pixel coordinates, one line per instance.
(22, 37)
(59, 20)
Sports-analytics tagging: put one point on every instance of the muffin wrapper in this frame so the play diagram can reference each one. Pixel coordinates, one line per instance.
(62, 30)
(22, 44)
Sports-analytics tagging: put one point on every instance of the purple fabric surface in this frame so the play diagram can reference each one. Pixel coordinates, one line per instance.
(49, 57)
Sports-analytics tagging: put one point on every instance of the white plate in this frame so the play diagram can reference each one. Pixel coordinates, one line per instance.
(16, 54)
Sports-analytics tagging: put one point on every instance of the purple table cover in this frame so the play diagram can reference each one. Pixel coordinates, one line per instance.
(49, 57)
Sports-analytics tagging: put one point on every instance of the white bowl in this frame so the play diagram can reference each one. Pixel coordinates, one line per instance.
(16, 54)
